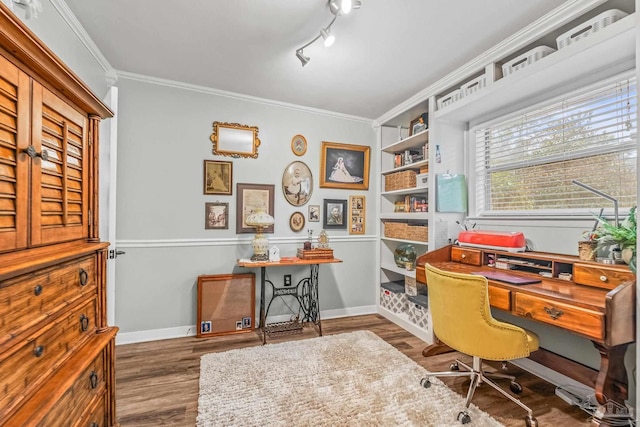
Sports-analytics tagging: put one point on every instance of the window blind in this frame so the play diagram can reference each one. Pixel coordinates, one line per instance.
(525, 165)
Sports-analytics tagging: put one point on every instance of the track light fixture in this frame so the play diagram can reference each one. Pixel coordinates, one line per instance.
(336, 7)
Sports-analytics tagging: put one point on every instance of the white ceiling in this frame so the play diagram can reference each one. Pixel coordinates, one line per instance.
(384, 52)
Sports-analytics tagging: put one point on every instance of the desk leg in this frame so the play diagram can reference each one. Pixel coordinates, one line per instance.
(612, 383)
(263, 320)
(315, 297)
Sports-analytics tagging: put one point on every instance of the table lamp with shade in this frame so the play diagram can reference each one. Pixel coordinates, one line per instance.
(261, 220)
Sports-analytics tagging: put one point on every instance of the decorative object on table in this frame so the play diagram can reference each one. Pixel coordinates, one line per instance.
(250, 198)
(297, 183)
(357, 218)
(419, 124)
(315, 253)
(261, 221)
(296, 221)
(274, 254)
(323, 240)
(218, 177)
(216, 216)
(299, 145)
(405, 256)
(235, 140)
(587, 250)
(334, 213)
(307, 244)
(344, 166)
(314, 213)
(223, 301)
(622, 237)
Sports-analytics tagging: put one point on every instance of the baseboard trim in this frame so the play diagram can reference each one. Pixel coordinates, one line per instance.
(124, 338)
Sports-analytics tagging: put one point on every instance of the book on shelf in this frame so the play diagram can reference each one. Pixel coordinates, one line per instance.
(415, 204)
(407, 157)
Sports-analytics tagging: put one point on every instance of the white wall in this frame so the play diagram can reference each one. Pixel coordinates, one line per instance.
(163, 140)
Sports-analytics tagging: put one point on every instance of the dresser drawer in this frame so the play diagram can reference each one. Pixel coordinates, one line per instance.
(87, 388)
(27, 366)
(98, 416)
(500, 298)
(601, 276)
(579, 320)
(466, 256)
(27, 301)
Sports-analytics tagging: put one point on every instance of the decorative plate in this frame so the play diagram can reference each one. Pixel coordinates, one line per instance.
(299, 145)
(296, 221)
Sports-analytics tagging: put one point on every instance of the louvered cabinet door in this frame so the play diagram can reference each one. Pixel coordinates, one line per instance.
(14, 164)
(60, 179)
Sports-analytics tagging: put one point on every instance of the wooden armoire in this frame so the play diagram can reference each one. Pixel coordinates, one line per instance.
(56, 349)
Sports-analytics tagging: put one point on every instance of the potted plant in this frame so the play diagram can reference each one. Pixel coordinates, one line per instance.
(622, 237)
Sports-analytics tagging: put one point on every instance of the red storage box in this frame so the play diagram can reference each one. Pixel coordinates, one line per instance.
(499, 240)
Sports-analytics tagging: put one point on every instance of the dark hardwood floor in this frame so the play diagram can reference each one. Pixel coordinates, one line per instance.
(157, 382)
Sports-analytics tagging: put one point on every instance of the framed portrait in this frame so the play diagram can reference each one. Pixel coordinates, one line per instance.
(314, 213)
(216, 216)
(296, 221)
(335, 212)
(344, 166)
(250, 198)
(357, 209)
(297, 183)
(299, 145)
(419, 124)
(226, 304)
(217, 177)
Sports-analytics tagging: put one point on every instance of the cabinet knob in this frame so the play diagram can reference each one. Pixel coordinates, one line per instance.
(38, 351)
(604, 278)
(84, 323)
(93, 379)
(31, 152)
(37, 290)
(463, 256)
(84, 277)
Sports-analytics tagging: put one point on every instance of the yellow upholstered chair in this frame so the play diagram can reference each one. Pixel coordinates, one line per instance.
(461, 317)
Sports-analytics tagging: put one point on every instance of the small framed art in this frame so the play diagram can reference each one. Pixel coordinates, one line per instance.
(217, 177)
(296, 221)
(299, 145)
(357, 217)
(334, 213)
(250, 198)
(216, 216)
(314, 213)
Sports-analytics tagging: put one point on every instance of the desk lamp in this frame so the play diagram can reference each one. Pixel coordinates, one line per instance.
(260, 220)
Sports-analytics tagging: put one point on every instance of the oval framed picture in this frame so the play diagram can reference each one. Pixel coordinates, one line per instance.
(299, 145)
(296, 221)
(297, 183)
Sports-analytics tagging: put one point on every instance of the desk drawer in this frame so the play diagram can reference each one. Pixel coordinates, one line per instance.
(27, 301)
(579, 320)
(500, 298)
(30, 364)
(601, 276)
(466, 256)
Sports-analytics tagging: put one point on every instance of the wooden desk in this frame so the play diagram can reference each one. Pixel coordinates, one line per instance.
(306, 292)
(598, 303)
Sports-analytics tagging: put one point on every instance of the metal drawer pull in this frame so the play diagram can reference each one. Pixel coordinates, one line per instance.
(84, 323)
(94, 424)
(37, 352)
(37, 290)
(84, 277)
(93, 379)
(553, 313)
(604, 278)
(463, 256)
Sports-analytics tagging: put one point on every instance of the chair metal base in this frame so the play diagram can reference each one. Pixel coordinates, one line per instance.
(478, 376)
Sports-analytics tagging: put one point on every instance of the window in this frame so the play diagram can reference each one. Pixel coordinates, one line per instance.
(525, 165)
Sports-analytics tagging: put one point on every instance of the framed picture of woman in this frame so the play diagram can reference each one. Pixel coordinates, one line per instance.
(344, 166)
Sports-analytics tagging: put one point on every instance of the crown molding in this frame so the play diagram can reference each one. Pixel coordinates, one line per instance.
(556, 18)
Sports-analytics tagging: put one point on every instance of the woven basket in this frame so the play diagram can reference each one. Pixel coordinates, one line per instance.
(418, 233)
(395, 230)
(400, 180)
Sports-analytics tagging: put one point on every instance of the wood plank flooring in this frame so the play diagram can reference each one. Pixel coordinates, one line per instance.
(157, 382)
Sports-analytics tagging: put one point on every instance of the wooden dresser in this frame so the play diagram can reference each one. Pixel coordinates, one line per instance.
(56, 349)
(595, 301)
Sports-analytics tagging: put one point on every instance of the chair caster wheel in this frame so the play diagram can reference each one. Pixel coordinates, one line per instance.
(464, 418)
(425, 382)
(454, 366)
(531, 422)
(515, 387)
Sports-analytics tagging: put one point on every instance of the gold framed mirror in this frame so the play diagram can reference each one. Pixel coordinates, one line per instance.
(235, 140)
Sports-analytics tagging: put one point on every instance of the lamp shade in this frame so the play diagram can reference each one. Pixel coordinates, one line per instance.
(259, 218)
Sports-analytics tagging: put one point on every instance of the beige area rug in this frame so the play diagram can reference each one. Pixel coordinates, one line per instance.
(351, 379)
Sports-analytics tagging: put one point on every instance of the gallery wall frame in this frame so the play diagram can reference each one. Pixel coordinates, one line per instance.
(216, 216)
(226, 304)
(235, 140)
(249, 198)
(296, 221)
(357, 214)
(344, 166)
(335, 211)
(218, 177)
(314, 213)
(299, 145)
(297, 183)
